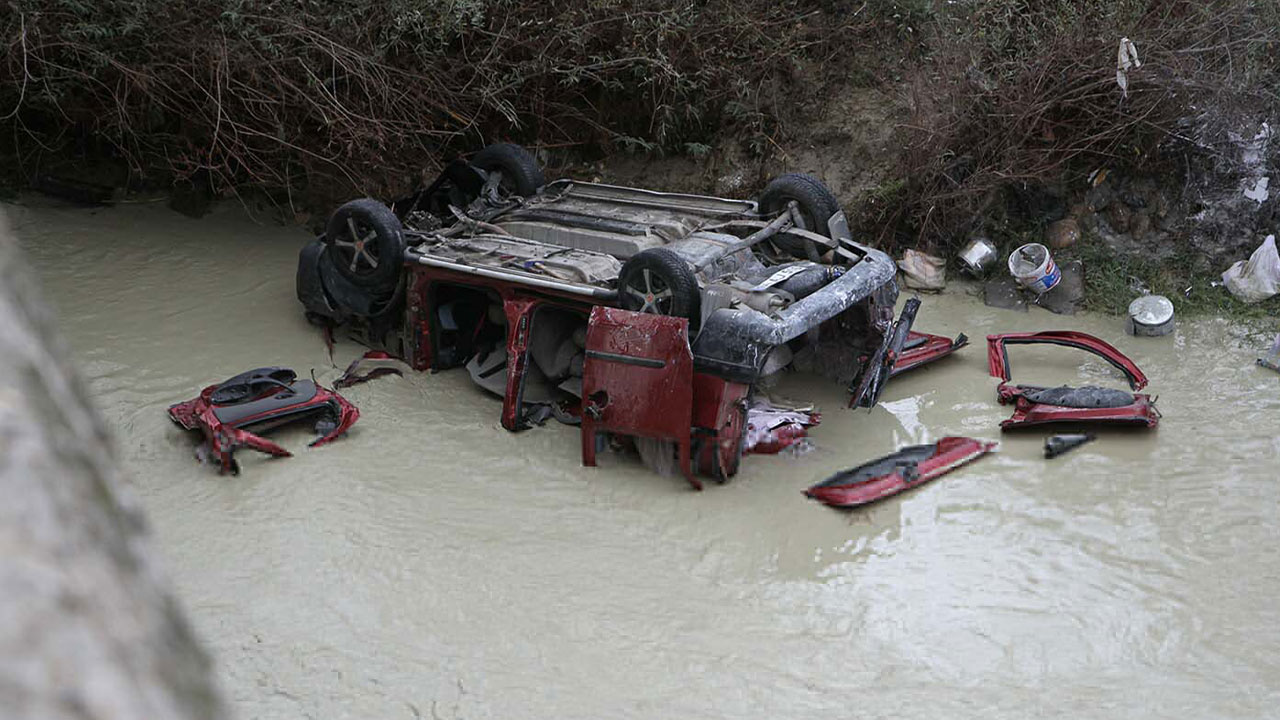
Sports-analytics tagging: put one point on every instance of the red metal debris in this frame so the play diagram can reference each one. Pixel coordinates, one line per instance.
(772, 429)
(903, 470)
(224, 423)
(924, 348)
(1034, 405)
(384, 364)
(638, 381)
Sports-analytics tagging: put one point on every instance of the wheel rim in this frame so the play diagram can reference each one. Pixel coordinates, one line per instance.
(651, 291)
(357, 248)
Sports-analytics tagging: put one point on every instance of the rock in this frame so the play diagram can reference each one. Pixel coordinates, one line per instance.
(1119, 216)
(1099, 198)
(89, 627)
(1140, 224)
(1068, 295)
(1002, 291)
(1062, 234)
(1133, 198)
(193, 197)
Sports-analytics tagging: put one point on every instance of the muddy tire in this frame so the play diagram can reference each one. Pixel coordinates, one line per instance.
(365, 242)
(520, 172)
(815, 201)
(660, 282)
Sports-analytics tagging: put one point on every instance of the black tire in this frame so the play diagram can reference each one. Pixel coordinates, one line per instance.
(365, 242)
(660, 282)
(520, 172)
(815, 201)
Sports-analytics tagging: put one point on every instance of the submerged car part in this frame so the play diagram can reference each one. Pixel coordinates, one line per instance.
(924, 348)
(1035, 405)
(231, 413)
(1056, 445)
(903, 470)
(877, 371)
(772, 429)
(638, 381)
(382, 363)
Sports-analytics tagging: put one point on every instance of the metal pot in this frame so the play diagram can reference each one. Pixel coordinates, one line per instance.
(977, 256)
(1150, 315)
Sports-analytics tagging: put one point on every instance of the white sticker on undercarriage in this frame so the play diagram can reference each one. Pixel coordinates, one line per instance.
(779, 276)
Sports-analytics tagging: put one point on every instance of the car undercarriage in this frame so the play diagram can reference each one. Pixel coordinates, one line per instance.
(492, 269)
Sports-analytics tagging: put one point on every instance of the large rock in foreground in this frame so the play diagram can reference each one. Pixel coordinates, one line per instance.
(88, 626)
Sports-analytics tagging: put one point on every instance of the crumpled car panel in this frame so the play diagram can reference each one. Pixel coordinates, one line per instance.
(1035, 405)
(265, 398)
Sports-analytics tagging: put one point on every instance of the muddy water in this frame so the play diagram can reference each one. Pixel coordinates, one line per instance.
(433, 565)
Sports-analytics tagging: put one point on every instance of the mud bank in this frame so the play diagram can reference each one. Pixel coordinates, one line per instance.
(433, 565)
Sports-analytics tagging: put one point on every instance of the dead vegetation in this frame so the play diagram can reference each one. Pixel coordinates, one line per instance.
(1015, 99)
(300, 95)
(1008, 100)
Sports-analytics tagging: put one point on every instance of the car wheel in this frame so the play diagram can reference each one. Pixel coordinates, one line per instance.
(520, 172)
(814, 201)
(365, 243)
(660, 282)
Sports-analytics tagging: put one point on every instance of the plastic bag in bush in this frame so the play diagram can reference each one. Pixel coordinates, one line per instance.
(1258, 278)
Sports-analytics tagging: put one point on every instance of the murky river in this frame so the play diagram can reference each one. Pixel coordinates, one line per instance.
(433, 565)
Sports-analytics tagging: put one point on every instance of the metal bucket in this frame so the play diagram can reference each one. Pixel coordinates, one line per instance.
(977, 256)
(1150, 316)
(1033, 267)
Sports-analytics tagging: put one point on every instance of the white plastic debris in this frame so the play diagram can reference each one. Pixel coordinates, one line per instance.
(923, 271)
(1258, 278)
(1126, 59)
(1259, 192)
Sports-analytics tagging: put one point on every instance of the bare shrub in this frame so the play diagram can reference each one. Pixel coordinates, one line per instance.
(363, 94)
(1019, 94)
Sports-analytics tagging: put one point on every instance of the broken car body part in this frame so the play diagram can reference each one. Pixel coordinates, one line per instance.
(374, 364)
(1056, 445)
(1035, 405)
(772, 429)
(877, 371)
(232, 413)
(902, 470)
(504, 274)
(923, 348)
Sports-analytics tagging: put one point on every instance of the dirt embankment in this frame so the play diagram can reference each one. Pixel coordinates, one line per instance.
(930, 120)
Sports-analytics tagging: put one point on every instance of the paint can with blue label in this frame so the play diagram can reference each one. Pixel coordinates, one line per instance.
(1034, 269)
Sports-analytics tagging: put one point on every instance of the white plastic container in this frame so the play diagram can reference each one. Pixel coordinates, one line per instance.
(1033, 267)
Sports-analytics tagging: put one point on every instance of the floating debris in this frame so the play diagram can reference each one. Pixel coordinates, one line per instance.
(1056, 445)
(903, 470)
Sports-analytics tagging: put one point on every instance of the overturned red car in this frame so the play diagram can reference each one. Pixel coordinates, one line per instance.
(1088, 404)
(639, 314)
